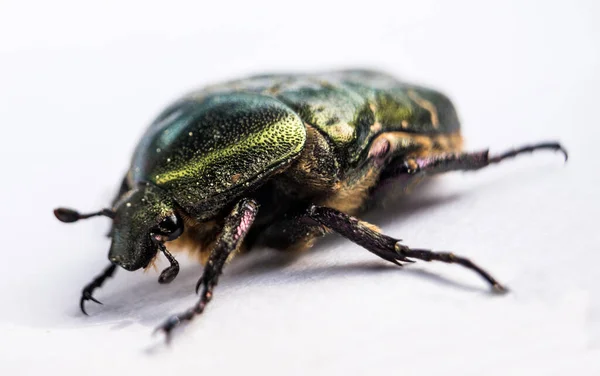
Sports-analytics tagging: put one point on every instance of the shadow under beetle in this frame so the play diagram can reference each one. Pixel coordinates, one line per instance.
(310, 151)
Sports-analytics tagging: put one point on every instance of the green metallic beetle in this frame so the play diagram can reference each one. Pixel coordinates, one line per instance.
(310, 150)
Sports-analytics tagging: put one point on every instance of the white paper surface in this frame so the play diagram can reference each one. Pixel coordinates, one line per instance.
(78, 85)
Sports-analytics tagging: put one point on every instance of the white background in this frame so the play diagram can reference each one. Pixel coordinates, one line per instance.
(79, 83)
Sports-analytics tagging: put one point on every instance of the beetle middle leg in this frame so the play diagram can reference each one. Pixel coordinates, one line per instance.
(236, 227)
(387, 247)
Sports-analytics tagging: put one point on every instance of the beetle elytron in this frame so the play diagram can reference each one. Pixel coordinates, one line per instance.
(279, 161)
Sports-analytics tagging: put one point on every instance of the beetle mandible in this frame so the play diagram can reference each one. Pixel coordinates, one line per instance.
(311, 151)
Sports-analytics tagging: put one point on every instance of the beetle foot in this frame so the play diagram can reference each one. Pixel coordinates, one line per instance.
(88, 290)
(499, 289)
(451, 258)
(168, 326)
(85, 296)
(175, 321)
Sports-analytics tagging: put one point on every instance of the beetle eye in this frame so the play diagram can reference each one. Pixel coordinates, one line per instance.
(171, 226)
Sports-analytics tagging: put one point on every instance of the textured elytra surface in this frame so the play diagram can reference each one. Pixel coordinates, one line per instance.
(353, 106)
(199, 149)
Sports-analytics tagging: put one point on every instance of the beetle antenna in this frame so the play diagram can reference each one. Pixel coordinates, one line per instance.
(169, 274)
(69, 215)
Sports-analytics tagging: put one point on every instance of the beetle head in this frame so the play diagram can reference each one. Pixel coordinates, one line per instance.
(143, 219)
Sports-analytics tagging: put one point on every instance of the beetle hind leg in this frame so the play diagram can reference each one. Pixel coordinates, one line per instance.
(472, 161)
(386, 247)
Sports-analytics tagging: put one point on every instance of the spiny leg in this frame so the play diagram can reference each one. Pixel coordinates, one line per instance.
(473, 160)
(237, 225)
(387, 247)
(86, 294)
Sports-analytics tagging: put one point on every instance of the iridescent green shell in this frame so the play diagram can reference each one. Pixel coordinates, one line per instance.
(205, 151)
(216, 143)
(351, 107)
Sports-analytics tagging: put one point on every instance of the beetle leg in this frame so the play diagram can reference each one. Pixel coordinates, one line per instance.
(86, 294)
(237, 225)
(387, 247)
(471, 161)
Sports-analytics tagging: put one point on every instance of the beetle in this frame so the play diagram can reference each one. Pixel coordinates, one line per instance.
(311, 151)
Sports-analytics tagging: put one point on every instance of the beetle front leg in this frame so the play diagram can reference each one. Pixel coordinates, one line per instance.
(88, 290)
(236, 227)
(387, 247)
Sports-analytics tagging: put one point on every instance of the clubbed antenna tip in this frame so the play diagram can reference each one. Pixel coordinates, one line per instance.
(69, 215)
